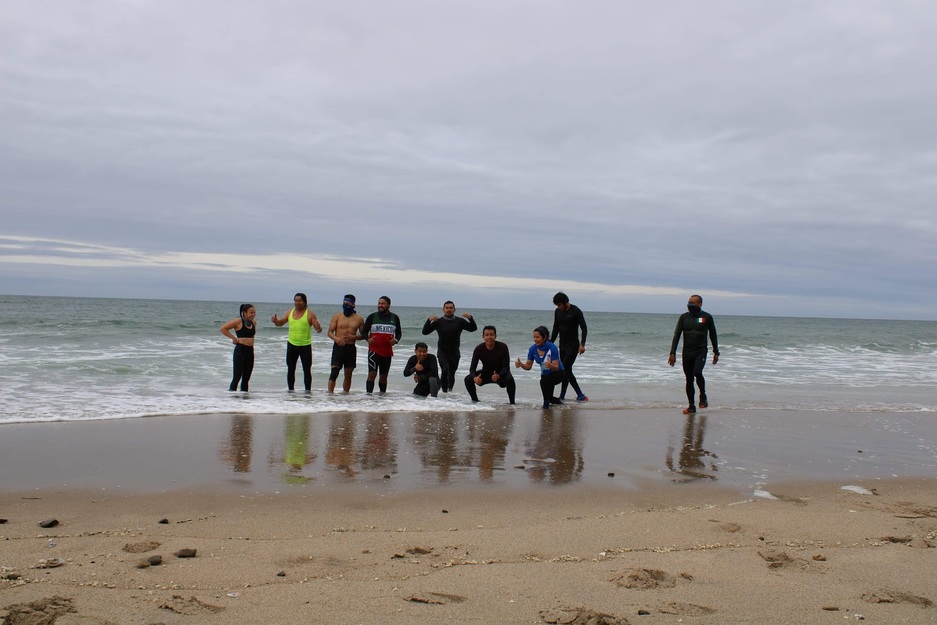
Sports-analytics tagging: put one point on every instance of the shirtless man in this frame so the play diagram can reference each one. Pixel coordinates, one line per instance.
(344, 329)
(299, 342)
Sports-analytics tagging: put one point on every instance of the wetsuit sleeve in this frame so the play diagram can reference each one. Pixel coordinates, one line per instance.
(556, 325)
(582, 325)
(470, 324)
(408, 370)
(428, 327)
(431, 371)
(712, 335)
(676, 335)
(366, 329)
(473, 368)
(399, 331)
(505, 362)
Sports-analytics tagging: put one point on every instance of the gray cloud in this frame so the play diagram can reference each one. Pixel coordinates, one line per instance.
(767, 150)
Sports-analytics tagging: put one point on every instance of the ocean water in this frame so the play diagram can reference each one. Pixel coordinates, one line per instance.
(72, 359)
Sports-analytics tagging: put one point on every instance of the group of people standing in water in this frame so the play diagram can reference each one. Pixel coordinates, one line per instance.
(490, 362)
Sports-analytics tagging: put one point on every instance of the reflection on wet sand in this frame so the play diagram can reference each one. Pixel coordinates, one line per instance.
(690, 461)
(340, 449)
(238, 449)
(437, 441)
(296, 454)
(557, 453)
(379, 451)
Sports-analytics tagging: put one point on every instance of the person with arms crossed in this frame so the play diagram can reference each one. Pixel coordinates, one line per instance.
(382, 331)
(299, 341)
(449, 328)
(495, 367)
(547, 355)
(424, 368)
(243, 339)
(696, 325)
(344, 329)
(567, 321)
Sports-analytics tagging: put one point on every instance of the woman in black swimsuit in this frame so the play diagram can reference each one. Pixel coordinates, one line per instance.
(244, 328)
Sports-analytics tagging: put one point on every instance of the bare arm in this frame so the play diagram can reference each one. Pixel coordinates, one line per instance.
(281, 321)
(234, 324)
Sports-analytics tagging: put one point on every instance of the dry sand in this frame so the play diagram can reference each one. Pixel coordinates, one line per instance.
(660, 554)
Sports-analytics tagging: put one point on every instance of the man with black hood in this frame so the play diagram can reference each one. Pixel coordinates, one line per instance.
(696, 325)
(344, 329)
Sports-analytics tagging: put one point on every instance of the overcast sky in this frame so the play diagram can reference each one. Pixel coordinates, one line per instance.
(779, 158)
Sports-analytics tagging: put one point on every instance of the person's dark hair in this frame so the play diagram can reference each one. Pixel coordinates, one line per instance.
(349, 296)
(560, 298)
(492, 328)
(385, 298)
(244, 308)
(700, 297)
(419, 345)
(542, 331)
(301, 296)
(448, 301)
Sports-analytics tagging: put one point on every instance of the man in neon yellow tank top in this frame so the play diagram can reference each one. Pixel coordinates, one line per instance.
(299, 342)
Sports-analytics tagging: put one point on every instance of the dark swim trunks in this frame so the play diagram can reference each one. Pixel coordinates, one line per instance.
(344, 356)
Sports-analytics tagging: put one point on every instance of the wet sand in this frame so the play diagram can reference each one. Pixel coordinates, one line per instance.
(508, 448)
(482, 518)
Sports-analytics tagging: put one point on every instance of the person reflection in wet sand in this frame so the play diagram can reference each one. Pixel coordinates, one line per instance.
(557, 455)
(690, 461)
(379, 450)
(296, 453)
(340, 451)
(436, 439)
(237, 451)
(489, 434)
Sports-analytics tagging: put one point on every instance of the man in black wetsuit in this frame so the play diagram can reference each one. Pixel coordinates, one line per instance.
(449, 328)
(696, 325)
(422, 366)
(495, 367)
(567, 321)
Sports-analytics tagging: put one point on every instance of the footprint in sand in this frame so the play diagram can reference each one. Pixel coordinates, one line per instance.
(580, 616)
(685, 609)
(190, 607)
(728, 526)
(647, 579)
(143, 547)
(896, 596)
(779, 559)
(46, 610)
(436, 598)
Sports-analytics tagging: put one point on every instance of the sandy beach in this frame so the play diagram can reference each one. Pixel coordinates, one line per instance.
(657, 547)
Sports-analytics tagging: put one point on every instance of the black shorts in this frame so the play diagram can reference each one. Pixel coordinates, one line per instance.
(381, 364)
(344, 356)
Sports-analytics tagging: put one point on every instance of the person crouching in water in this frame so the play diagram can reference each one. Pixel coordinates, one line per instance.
(424, 368)
(545, 354)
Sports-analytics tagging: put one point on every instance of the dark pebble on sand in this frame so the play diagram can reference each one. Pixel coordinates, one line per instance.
(281, 574)
(163, 521)
(643, 613)
(185, 553)
(2, 521)
(386, 477)
(49, 523)
(610, 474)
(155, 560)
(445, 512)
